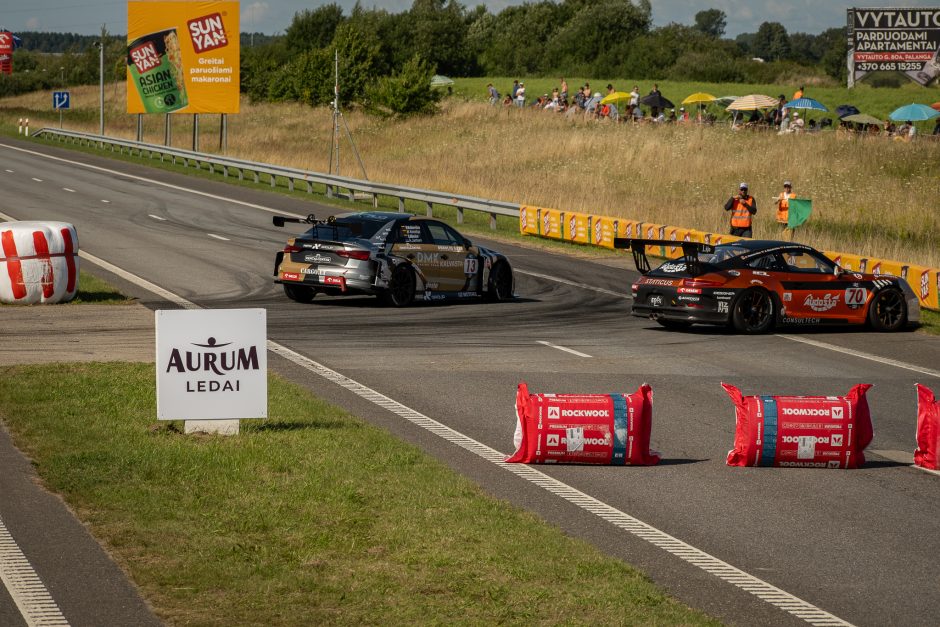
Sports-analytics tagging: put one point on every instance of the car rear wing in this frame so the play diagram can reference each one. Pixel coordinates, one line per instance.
(690, 252)
(354, 227)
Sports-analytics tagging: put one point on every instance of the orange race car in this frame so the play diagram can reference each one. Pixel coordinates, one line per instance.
(753, 285)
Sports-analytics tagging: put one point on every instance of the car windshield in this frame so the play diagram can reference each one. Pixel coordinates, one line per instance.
(347, 228)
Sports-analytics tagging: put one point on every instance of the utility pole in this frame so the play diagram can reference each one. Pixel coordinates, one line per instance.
(104, 33)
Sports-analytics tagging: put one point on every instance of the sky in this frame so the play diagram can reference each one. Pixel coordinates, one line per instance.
(274, 16)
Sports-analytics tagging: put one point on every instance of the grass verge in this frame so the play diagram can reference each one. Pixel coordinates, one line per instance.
(310, 517)
(91, 289)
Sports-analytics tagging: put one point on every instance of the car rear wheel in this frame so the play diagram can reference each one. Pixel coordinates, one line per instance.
(754, 312)
(401, 288)
(299, 293)
(674, 325)
(500, 287)
(887, 311)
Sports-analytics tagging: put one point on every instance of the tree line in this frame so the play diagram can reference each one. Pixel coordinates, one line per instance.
(387, 59)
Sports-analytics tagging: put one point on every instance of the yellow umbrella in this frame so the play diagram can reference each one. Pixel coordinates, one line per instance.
(698, 98)
(752, 102)
(614, 98)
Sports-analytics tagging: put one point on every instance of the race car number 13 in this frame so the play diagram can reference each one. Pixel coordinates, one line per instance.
(470, 265)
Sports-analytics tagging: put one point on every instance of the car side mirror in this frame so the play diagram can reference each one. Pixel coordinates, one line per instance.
(467, 243)
(838, 271)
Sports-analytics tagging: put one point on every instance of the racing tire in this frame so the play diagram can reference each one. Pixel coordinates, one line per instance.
(500, 283)
(754, 312)
(299, 293)
(887, 310)
(674, 325)
(401, 287)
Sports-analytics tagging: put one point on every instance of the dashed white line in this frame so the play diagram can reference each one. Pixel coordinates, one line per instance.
(224, 239)
(37, 180)
(157, 217)
(26, 588)
(10, 171)
(861, 355)
(105, 201)
(563, 348)
(68, 189)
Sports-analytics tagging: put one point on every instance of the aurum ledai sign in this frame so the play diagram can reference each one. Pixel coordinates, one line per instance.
(211, 364)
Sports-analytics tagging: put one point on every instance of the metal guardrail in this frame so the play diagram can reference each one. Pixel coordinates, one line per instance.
(333, 183)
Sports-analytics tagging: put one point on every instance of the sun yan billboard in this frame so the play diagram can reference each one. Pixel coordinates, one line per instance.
(182, 57)
(894, 40)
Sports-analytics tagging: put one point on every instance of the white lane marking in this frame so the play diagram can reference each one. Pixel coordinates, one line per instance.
(25, 587)
(9, 170)
(556, 279)
(37, 180)
(224, 239)
(156, 217)
(903, 457)
(861, 355)
(686, 552)
(69, 190)
(562, 348)
(153, 182)
(103, 200)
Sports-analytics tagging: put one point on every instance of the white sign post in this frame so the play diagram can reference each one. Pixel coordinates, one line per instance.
(212, 367)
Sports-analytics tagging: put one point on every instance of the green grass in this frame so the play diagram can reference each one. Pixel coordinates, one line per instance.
(310, 517)
(930, 321)
(92, 290)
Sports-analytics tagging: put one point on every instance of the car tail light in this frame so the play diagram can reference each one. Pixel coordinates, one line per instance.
(291, 248)
(700, 283)
(635, 287)
(360, 255)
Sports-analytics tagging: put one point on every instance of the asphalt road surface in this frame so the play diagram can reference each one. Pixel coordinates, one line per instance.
(859, 545)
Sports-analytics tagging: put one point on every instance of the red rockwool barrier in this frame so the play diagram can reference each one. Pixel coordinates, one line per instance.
(584, 428)
(927, 454)
(38, 262)
(801, 431)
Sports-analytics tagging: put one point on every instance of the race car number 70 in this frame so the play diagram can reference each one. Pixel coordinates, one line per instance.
(855, 295)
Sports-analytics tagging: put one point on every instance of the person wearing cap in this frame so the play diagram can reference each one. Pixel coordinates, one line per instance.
(683, 115)
(520, 95)
(742, 208)
(783, 204)
(797, 125)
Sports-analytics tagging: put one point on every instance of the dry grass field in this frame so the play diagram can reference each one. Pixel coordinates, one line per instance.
(871, 195)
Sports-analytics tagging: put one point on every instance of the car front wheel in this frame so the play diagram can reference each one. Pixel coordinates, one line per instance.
(754, 312)
(500, 286)
(887, 311)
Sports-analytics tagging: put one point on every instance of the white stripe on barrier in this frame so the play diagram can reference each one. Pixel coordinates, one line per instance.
(24, 585)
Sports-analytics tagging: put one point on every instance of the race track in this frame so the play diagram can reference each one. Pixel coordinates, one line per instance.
(860, 545)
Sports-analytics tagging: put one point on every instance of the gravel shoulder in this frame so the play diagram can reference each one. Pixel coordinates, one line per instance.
(38, 334)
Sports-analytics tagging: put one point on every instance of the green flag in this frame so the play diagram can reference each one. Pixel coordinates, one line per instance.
(799, 211)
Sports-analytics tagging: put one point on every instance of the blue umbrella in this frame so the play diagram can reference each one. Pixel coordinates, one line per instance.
(846, 109)
(806, 103)
(914, 112)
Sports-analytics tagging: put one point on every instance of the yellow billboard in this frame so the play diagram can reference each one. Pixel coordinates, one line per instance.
(182, 57)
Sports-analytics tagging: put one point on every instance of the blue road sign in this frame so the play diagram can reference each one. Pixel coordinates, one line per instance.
(60, 100)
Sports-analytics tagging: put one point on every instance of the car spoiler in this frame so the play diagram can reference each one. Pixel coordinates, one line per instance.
(354, 227)
(690, 251)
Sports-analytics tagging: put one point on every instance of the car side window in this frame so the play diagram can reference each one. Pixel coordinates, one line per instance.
(764, 262)
(804, 261)
(443, 235)
(410, 233)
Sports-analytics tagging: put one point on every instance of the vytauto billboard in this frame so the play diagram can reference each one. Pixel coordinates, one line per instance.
(894, 40)
(6, 52)
(182, 57)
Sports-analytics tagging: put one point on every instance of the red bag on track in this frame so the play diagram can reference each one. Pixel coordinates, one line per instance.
(584, 428)
(801, 431)
(927, 454)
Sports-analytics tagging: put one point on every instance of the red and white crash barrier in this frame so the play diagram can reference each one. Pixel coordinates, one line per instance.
(927, 454)
(38, 262)
(801, 431)
(584, 428)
